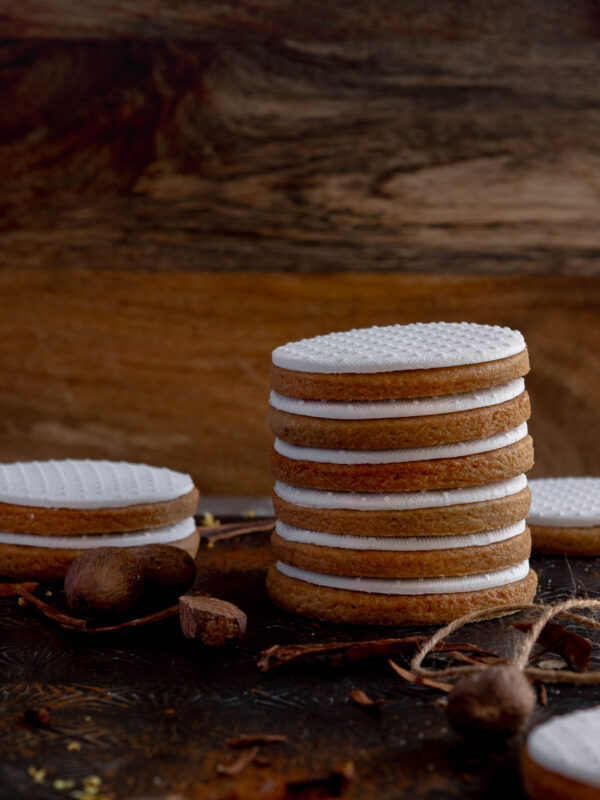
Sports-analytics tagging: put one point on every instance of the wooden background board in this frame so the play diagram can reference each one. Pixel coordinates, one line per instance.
(186, 185)
(300, 135)
(173, 367)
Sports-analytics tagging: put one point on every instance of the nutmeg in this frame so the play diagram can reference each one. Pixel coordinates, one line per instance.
(167, 570)
(493, 704)
(104, 579)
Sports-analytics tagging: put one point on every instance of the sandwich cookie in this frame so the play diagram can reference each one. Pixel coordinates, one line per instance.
(468, 463)
(44, 558)
(565, 516)
(402, 557)
(51, 511)
(561, 760)
(451, 511)
(385, 424)
(382, 601)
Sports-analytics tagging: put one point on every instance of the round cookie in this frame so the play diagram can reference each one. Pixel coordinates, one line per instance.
(387, 433)
(51, 560)
(75, 497)
(398, 361)
(431, 556)
(461, 511)
(561, 760)
(374, 608)
(405, 476)
(565, 516)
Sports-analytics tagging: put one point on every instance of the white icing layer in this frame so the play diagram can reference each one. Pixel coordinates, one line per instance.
(455, 450)
(565, 502)
(569, 745)
(399, 501)
(389, 409)
(172, 533)
(89, 484)
(400, 347)
(398, 543)
(462, 583)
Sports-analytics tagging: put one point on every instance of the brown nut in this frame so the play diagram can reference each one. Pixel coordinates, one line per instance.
(214, 622)
(166, 569)
(493, 704)
(104, 579)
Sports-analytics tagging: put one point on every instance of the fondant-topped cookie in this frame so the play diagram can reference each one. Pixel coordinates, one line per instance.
(400, 347)
(562, 757)
(89, 484)
(51, 511)
(565, 515)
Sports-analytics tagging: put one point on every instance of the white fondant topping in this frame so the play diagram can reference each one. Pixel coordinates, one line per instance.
(172, 533)
(461, 583)
(565, 502)
(569, 745)
(400, 347)
(389, 409)
(455, 450)
(398, 543)
(89, 484)
(399, 501)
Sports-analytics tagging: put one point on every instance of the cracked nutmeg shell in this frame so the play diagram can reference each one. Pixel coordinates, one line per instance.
(494, 703)
(106, 579)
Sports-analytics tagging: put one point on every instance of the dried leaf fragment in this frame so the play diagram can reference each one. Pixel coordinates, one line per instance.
(240, 763)
(410, 677)
(575, 649)
(361, 698)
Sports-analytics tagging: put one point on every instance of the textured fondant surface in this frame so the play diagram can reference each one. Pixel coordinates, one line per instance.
(400, 347)
(565, 502)
(390, 409)
(399, 501)
(89, 484)
(462, 583)
(405, 454)
(569, 745)
(171, 533)
(399, 543)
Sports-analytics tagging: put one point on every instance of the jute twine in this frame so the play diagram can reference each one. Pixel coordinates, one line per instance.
(521, 657)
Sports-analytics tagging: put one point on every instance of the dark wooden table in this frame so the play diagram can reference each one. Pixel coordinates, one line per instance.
(151, 713)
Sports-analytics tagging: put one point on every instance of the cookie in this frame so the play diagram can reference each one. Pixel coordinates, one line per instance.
(433, 513)
(402, 557)
(51, 511)
(73, 497)
(565, 516)
(381, 433)
(441, 467)
(399, 457)
(399, 602)
(48, 558)
(561, 760)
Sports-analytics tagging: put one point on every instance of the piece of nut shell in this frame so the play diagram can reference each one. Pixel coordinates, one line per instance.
(210, 620)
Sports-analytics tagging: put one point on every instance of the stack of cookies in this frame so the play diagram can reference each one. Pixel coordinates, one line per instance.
(52, 511)
(400, 462)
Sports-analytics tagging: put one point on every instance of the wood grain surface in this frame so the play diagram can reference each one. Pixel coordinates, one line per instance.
(300, 135)
(172, 368)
